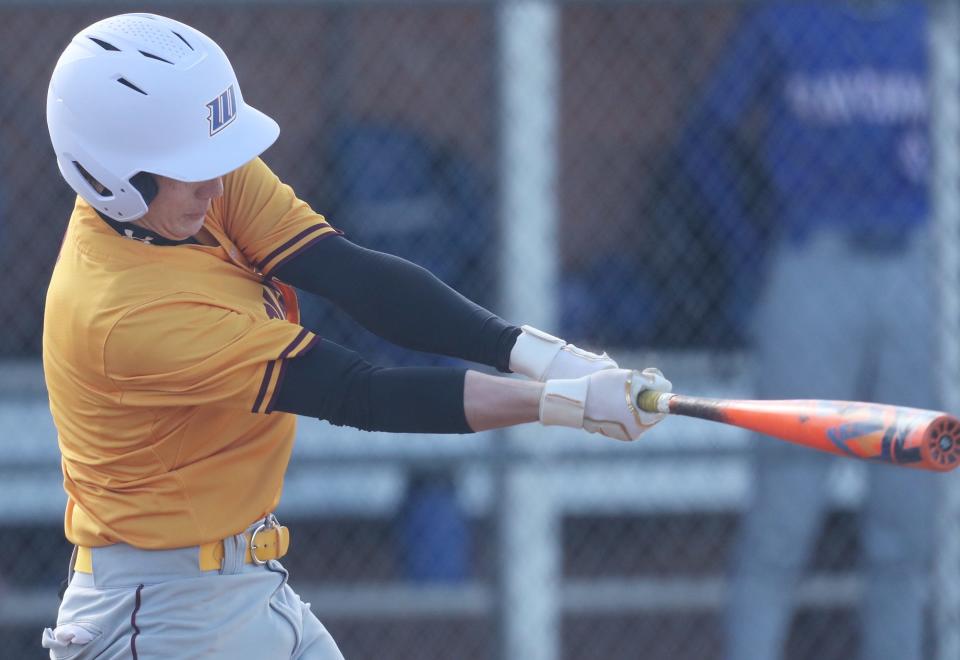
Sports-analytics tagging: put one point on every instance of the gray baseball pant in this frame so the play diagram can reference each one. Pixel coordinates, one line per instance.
(147, 604)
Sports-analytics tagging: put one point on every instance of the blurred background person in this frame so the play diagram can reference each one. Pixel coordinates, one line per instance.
(832, 98)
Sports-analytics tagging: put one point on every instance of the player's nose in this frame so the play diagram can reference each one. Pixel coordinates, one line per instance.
(211, 189)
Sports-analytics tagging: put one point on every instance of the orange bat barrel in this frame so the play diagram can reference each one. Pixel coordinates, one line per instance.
(910, 437)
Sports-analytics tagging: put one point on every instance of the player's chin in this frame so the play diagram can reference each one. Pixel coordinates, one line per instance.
(190, 226)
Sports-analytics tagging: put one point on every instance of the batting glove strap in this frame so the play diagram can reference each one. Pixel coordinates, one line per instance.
(534, 351)
(563, 401)
(543, 357)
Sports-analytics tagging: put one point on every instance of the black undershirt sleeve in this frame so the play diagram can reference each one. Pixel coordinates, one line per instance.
(401, 302)
(333, 383)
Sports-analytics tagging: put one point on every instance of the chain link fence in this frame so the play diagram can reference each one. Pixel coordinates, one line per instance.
(738, 193)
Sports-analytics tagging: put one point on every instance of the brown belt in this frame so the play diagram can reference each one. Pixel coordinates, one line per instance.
(263, 544)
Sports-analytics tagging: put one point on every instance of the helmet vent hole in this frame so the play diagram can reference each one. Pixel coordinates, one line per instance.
(151, 37)
(154, 57)
(101, 189)
(124, 81)
(178, 36)
(103, 44)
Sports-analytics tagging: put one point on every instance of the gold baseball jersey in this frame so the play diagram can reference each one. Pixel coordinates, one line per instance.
(162, 363)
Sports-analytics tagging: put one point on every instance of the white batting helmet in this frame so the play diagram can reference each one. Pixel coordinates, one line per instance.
(143, 93)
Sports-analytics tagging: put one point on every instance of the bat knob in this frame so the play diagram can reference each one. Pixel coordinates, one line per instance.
(649, 401)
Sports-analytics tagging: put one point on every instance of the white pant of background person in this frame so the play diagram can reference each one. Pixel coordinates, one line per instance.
(242, 611)
(839, 322)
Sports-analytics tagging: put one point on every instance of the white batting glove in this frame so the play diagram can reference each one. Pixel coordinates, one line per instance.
(543, 357)
(67, 634)
(604, 402)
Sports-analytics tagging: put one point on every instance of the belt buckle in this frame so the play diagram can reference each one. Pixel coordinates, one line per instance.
(269, 522)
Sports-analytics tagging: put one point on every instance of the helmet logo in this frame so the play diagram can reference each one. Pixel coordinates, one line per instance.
(223, 110)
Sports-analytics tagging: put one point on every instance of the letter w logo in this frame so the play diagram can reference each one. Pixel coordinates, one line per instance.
(223, 110)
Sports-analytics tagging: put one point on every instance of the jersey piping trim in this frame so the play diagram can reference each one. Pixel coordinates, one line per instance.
(270, 262)
(273, 373)
(264, 385)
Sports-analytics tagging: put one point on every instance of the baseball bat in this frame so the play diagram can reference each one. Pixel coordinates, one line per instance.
(911, 437)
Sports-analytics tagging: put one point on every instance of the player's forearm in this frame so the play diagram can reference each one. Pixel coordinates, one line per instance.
(603, 402)
(492, 402)
(401, 302)
(336, 384)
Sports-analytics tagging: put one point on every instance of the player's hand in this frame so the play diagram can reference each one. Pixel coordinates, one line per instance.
(543, 357)
(604, 402)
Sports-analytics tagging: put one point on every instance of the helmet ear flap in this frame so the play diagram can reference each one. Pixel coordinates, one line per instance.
(146, 185)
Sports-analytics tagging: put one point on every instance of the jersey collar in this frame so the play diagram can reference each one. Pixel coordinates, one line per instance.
(137, 233)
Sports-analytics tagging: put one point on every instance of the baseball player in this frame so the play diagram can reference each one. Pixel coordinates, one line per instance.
(176, 365)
